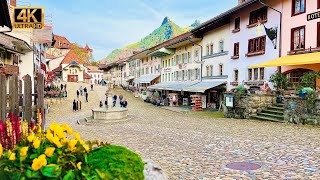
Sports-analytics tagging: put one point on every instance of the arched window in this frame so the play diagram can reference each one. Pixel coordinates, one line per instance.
(294, 76)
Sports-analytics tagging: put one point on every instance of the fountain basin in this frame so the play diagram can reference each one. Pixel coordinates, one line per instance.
(104, 115)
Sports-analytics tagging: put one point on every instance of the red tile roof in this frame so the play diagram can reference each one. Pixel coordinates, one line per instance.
(50, 56)
(70, 57)
(86, 75)
(61, 42)
(58, 69)
(93, 69)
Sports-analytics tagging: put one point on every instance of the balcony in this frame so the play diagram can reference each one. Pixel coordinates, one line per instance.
(9, 69)
(304, 51)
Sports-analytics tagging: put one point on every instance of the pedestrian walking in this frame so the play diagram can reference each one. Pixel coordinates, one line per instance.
(124, 103)
(77, 106)
(65, 87)
(74, 107)
(85, 90)
(114, 100)
(64, 95)
(86, 96)
(61, 86)
(81, 90)
(120, 97)
(78, 93)
(91, 87)
(101, 104)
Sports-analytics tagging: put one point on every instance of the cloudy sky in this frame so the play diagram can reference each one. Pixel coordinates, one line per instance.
(109, 24)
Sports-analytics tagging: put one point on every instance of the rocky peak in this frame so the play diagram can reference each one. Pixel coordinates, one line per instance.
(196, 23)
(165, 20)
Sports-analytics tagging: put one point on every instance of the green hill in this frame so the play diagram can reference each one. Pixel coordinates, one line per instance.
(166, 31)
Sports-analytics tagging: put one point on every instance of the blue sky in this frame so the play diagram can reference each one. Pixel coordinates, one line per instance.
(109, 24)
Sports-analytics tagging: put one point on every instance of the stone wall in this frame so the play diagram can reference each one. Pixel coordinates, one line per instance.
(296, 111)
(249, 105)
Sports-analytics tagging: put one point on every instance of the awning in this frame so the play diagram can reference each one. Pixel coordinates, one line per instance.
(301, 59)
(161, 52)
(173, 86)
(129, 79)
(146, 78)
(201, 87)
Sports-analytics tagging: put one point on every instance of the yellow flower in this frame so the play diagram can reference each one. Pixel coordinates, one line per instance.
(57, 142)
(23, 151)
(30, 138)
(86, 148)
(12, 156)
(49, 151)
(49, 136)
(67, 128)
(1, 150)
(79, 165)
(59, 132)
(36, 143)
(72, 144)
(37, 163)
(54, 126)
(76, 136)
(64, 141)
(69, 131)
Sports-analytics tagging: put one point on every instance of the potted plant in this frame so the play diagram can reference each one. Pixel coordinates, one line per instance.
(280, 82)
(144, 95)
(304, 91)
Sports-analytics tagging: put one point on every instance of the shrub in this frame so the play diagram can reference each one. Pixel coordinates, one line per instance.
(116, 162)
(279, 81)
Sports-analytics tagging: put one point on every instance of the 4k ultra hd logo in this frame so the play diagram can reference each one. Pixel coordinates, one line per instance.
(28, 17)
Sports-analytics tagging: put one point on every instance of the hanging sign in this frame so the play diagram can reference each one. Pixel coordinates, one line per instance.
(313, 16)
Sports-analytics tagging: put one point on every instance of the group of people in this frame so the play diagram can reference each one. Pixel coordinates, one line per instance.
(76, 105)
(123, 102)
(83, 91)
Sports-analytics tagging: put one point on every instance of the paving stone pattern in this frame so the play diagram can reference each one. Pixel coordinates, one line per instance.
(200, 148)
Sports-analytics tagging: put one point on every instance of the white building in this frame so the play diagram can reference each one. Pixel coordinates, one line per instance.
(95, 73)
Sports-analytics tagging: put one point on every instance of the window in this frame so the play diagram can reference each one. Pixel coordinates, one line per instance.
(220, 69)
(294, 76)
(318, 42)
(236, 49)
(197, 73)
(172, 76)
(298, 38)
(211, 70)
(189, 73)
(211, 48)
(147, 70)
(250, 74)
(182, 75)
(192, 74)
(298, 7)
(183, 58)
(208, 50)
(207, 68)
(260, 14)
(189, 57)
(185, 75)
(255, 74)
(196, 55)
(257, 44)
(236, 75)
(237, 23)
(169, 77)
(221, 45)
(261, 73)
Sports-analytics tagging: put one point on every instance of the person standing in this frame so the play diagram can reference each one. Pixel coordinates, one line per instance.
(114, 100)
(74, 107)
(64, 95)
(124, 103)
(120, 98)
(101, 105)
(80, 90)
(78, 93)
(91, 87)
(61, 86)
(65, 87)
(77, 106)
(80, 103)
(85, 90)
(86, 96)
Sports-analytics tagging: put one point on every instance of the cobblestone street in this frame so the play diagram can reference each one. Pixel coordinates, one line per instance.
(187, 147)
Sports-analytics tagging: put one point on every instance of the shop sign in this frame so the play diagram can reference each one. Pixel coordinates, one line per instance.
(313, 16)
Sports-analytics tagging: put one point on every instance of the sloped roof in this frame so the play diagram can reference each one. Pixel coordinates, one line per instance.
(58, 69)
(93, 69)
(50, 56)
(86, 75)
(64, 42)
(70, 57)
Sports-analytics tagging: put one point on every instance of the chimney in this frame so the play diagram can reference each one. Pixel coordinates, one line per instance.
(13, 3)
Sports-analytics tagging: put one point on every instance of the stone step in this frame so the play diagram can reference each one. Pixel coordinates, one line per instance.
(268, 119)
(276, 108)
(269, 111)
(279, 105)
(273, 115)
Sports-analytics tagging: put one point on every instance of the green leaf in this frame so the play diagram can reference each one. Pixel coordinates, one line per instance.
(32, 174)
(32, 156)
(69, 176)
(51, 171)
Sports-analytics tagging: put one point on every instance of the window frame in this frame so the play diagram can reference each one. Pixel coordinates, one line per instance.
(221, 69)
(253, 17)
(250, 74)
(236, 75)
(292, 37)
(293, 13)
(252, 47)
(237, 22)
(236, 49)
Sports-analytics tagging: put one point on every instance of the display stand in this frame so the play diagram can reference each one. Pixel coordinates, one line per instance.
(173, 99)
(196, 101)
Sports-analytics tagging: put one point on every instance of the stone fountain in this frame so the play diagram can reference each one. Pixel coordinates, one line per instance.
(108, 114)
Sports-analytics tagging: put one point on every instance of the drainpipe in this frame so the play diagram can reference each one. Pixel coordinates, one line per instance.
(200, 58)
(280, 27)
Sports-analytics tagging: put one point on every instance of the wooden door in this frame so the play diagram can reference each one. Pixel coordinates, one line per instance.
(72, 78)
